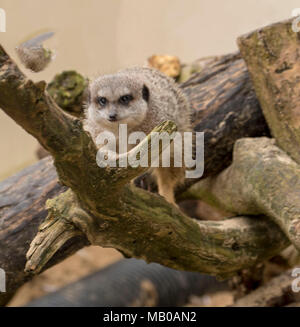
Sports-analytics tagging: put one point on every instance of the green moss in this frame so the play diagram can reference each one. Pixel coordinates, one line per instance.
(68, 91)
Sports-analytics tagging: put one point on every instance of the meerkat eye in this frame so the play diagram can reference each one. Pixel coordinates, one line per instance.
(102, 101)
(125, 99)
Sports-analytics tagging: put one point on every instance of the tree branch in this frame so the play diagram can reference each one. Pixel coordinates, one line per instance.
(22, 209)
(146, 226)
(261, 180)
(272, 57)
(277, 292)
(31, 107)
(221, 95)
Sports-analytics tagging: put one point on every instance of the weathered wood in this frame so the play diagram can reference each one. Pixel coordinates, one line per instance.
(232, 105)
(277, 292)
(22, 209)
(226, 109)
(218, 248)
(272, 55)
(262, 179)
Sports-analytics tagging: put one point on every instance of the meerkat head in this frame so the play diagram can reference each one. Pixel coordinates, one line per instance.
(117, 99)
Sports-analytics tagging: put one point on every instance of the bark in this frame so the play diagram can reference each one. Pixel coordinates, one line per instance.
(22, 205)
(272, 56)
(226, 109)
(263, 180)
(22, 209)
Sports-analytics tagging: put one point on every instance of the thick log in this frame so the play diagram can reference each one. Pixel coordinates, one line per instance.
(272, 56)
(131, 282)
(22, 209)
(221, 95)
(262, 179)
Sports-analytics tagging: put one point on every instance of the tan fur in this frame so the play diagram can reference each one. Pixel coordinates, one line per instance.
(166, 102)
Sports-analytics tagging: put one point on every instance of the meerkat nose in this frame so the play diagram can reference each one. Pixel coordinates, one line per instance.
(112, 117)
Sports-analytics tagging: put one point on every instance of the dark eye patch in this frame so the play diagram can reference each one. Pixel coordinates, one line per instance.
(102, 101)
(125, 99)
(145, 93)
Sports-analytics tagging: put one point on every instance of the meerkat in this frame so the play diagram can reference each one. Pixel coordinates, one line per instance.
(142, 98)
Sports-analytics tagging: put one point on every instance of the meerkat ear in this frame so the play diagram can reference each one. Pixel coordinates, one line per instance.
(145, 93)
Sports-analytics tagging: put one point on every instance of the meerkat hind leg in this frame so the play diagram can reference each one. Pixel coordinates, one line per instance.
(167, 180)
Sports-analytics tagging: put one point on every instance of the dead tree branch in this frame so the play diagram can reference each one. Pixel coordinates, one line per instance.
(225, 109)
(272, 57)
(277, 292)
(106, 220)
(262, 179)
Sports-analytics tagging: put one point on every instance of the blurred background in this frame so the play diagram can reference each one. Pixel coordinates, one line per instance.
(102, 36)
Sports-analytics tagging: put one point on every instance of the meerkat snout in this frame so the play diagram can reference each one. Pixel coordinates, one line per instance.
(112, 117)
